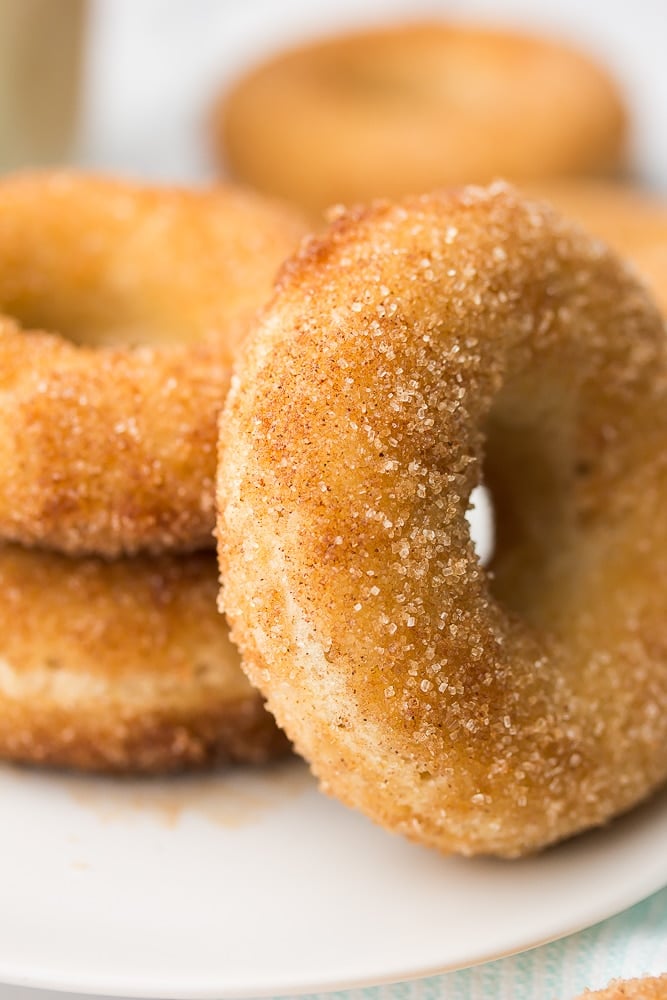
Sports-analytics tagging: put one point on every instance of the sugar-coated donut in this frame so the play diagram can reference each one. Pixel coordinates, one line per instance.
(108, 419)
(412, 350)
(122, 666)
(650, 988)
(401, 110)
(633, 222)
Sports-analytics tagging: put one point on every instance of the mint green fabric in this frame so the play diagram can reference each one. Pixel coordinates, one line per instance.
(632, 944)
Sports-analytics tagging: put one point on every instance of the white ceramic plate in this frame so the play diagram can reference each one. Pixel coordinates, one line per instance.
(253, 883)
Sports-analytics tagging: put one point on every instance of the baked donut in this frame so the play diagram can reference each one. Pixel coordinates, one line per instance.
(633, 222)
(413, 351)
(651, 988)
(400, 110)
(122, 666)
(108, 419)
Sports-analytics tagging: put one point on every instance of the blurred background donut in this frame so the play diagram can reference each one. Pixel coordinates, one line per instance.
(631, 220)
(409, 108)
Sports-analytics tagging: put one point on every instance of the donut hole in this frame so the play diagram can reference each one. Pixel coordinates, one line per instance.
(94, 309)
(92, 324)
(90, 302)
(92, 279)
(481, 519)
(529, 472)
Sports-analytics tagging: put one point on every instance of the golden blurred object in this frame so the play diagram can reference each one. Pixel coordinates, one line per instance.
(632, 222)
(41, 49)
(652, 988)
(407, 109)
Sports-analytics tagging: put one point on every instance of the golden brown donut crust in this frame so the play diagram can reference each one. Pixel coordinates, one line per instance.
(122, 666)
(631, 221)
(108, 419)
(650, 988)
(405, 109)
(413, 349)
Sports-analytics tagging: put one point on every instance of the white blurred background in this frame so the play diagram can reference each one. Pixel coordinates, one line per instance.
(154, 65)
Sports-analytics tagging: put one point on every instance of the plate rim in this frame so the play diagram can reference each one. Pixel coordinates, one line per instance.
(143, 988)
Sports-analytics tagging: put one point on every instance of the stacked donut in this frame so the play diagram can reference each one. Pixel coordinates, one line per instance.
(121, 309)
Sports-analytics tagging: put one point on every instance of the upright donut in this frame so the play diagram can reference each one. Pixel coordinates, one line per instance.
(123, 308)
(414, 350)
(400, 110)
(122, 666)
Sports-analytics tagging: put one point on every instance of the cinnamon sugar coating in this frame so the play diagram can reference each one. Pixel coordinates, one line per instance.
(391, 111)
(122, 666)
(651, 988)
(124, 307)
(412, 351)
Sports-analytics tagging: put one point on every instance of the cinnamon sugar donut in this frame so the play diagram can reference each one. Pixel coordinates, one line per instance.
(397, 110)
(122, 666)
(650, 988)
(412, 351)
(108, 419)
(633, 222)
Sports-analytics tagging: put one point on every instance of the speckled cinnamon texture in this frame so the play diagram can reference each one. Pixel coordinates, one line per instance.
(631, 989)
(398, 110)
(108, 419)
(122, 666)
(631, 221)
(413, 350)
